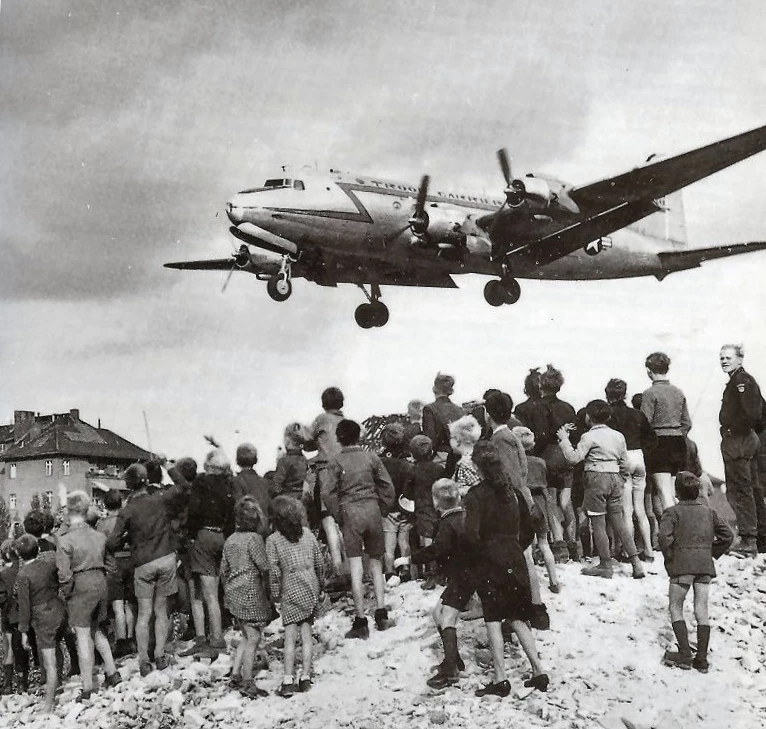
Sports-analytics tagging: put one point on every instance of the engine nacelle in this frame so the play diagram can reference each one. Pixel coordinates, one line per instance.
(537, 192)
(444, 227)
(242, 257)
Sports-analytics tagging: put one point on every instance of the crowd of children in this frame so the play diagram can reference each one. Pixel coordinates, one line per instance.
(469, 500)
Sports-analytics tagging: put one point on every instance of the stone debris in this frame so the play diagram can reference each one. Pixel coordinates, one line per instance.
(603, 653)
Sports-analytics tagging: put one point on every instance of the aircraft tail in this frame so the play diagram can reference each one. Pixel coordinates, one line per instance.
(669, 224)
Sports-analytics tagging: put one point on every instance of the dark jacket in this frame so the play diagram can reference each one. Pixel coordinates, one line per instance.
(492, 527)
(36, 584)
(249, 483)
(450, 548)
(8, 604)
(146, 524)
(211, 503)
(742, 405)
(634, 426)
(424, 475)
(534, 415)
(436, 419)
(357, 475)
(290, 474)
(400, 470)
(559, 413)
(692, 534)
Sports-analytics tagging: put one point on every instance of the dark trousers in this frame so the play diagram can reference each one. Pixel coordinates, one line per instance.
(742, 488)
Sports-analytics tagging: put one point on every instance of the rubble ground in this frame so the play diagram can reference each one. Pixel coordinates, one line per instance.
(603, 654)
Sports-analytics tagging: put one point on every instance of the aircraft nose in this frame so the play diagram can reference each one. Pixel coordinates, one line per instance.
(234, 212)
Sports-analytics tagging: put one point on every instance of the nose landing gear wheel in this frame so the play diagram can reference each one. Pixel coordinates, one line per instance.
(511, 289)
(494, 293)
(279, 288)
(365, 316)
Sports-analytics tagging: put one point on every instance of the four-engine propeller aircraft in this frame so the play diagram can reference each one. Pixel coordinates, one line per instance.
(344, 228)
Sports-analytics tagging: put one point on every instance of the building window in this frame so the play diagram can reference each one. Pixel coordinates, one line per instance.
(48, 504)
(49, 467)
(65, 465)
(2, 447)
(12, 501)
(12, 470)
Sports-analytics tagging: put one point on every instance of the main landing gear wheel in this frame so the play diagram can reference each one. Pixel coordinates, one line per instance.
(504, 291)
(371, 315)
(279, 287)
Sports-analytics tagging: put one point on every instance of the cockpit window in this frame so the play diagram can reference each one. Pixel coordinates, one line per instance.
(275, 183)
(298, 185)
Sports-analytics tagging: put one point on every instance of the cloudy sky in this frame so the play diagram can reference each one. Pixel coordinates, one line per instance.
(126, 125)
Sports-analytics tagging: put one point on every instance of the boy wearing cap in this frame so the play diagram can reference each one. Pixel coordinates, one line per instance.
(145, 524)
(360, 492)
(396, 524)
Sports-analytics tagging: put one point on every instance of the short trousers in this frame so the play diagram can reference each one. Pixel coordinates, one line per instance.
(395, 523)
(669, 456)
(503, 597)
(360, 524)
(561, 480)
(603, 493)
(689, 580)
(425, 523)
(87, 605)
(48, 621)
(119, 585)
(156, 578)
(205, 553)
(542, 503)
(637, 478)
(459, 592)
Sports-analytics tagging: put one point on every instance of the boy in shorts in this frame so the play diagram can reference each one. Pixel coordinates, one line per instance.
(691, 536)
(40, 607)
(144, 523)
(452, 551)
(604, 454)
(359, 494)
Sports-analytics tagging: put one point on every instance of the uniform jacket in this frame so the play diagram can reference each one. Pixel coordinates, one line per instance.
(691, 534)
(436, 419)
(357, 475)
(742, 404)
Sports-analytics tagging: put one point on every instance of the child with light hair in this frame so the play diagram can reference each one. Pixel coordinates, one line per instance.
(454, 554)
(81, 564)
(292, 465)
(464, 435)
(537, 480)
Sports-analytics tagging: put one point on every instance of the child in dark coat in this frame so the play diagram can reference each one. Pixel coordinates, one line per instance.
(292, 465)
(244, 571)
(454, 555)
(40, 607)
(15, 655)
(424, 474)
(691, 536)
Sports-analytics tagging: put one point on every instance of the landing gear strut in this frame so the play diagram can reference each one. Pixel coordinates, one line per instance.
(503, 291)
(374, 313)
(279, 286)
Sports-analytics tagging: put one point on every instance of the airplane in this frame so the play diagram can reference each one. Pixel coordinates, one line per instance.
(344, 228)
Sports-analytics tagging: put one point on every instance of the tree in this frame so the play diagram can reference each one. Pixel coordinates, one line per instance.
(5, 520)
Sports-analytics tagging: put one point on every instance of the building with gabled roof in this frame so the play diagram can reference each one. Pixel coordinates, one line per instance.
(42, 453)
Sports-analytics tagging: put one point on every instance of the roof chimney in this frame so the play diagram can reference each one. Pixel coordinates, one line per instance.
(74, 413)
(22, 423)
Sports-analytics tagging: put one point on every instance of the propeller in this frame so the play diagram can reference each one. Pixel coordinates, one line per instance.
(240, 258)
(515, 190)
(418, 222)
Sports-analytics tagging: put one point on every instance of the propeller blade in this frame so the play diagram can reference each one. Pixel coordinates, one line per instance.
(505, 165)
(420, 204)
(391, 238)
(228, 278)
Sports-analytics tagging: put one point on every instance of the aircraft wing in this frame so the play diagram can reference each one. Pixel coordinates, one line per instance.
(215, 264)
(613, 203)
(692, 258)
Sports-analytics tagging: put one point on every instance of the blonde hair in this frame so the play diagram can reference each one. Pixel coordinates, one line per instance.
(216, 463)
(738, 349)
(445, 493)
(525, 435)
(78, 502)
(466, 432)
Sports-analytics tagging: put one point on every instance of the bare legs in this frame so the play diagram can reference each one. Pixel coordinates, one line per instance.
(124, 619)
(209, 584)
(291, 638)
(51, 678)
(496, 647)
(665, 489)
(332, 534)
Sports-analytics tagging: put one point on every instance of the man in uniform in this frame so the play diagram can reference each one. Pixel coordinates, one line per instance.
(740, 418)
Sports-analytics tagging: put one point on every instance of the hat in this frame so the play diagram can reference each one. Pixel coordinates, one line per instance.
(421, 447)
(406, 504)
(392, 435)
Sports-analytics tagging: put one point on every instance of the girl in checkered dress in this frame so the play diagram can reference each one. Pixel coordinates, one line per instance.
(244, 570)
(296, 571)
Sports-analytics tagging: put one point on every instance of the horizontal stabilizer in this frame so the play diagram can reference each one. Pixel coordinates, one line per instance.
(692, 258)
